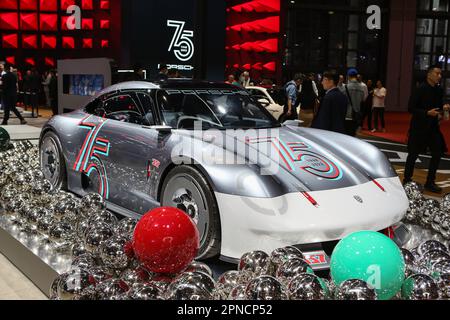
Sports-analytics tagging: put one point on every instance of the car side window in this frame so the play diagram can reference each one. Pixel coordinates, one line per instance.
(94, 106)
(122, 108)
(182, 110)
(147, 104)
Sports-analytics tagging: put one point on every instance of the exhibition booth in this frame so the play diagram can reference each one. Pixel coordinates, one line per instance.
(164, 172)
(75, 248)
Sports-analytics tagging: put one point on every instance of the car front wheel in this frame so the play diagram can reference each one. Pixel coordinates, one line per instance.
(187, 189)
(52, 161)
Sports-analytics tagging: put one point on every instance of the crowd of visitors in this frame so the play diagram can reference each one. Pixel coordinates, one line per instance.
(26, 90)
(306, 93)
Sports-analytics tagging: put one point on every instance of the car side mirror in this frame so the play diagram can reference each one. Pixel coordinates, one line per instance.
(160, 129)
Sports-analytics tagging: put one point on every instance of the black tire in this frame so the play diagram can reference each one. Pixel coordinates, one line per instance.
(50, 143)
(188, 177)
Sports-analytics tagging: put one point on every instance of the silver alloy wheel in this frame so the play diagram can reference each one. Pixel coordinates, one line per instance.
(50, 160)
(184, 193)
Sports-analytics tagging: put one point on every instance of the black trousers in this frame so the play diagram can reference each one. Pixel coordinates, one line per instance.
(367, 114)
(350, 127)
(54, 105)
(432, 170)
(378, 114)
(9, 104)
(435, 144)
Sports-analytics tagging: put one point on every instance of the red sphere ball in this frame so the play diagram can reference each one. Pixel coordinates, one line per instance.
(166, 240)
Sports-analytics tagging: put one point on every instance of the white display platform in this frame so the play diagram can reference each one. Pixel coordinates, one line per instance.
(25, 132)
(35, 258)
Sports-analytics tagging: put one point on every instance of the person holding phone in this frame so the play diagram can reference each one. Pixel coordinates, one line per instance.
(427, 108)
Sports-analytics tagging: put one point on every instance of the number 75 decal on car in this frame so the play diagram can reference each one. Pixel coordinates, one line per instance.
(88, 160)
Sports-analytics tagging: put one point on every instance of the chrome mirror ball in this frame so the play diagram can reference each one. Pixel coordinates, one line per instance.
(264, 288)
(420, 287)
(355, 290)
(307, 287)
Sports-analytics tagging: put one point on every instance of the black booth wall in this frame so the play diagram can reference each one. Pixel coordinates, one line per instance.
(211, 60)
(146, 37)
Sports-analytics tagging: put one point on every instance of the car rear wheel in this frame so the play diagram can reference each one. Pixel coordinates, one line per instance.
(187, 189)
(52, 161)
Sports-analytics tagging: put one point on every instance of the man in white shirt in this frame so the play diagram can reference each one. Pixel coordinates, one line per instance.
(379, 96)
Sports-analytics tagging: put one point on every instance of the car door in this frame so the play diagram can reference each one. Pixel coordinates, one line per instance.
(131, 144)
(89, 150)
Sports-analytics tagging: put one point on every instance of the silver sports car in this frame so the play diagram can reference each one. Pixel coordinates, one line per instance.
(249, 182)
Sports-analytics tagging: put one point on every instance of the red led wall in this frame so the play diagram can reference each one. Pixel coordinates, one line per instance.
(87, 4)
(9, 20)
(8, 4)
(35, 33)
(29, 41)
(253, 37)
(48, 41)
(48, 5)
(48, 22)
(28, 5)
(67, 3)
(10, 41)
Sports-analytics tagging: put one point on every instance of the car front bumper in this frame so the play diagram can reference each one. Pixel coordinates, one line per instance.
(266, 224)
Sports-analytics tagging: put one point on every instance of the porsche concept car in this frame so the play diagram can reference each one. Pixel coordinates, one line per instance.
(249, 182)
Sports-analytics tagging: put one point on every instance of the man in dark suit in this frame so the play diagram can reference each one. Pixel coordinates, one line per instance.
(426, 106)
(9, 88)
(53, 92)
(333, 108)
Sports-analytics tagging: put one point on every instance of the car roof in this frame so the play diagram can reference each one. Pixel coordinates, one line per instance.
(127, 86)
(170, 84)
(195, 84)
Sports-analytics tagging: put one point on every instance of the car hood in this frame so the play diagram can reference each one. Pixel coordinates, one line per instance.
(305, 159)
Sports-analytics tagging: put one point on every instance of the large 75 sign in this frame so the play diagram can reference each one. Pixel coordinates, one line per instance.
(181, 43)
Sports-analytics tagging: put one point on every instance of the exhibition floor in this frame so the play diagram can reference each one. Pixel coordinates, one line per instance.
(397, 127)
(14, 285)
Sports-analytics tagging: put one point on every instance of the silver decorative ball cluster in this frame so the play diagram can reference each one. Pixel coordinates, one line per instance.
(428, 213)
(103, 266)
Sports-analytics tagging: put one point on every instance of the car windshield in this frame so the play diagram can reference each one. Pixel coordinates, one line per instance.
(220, 109)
